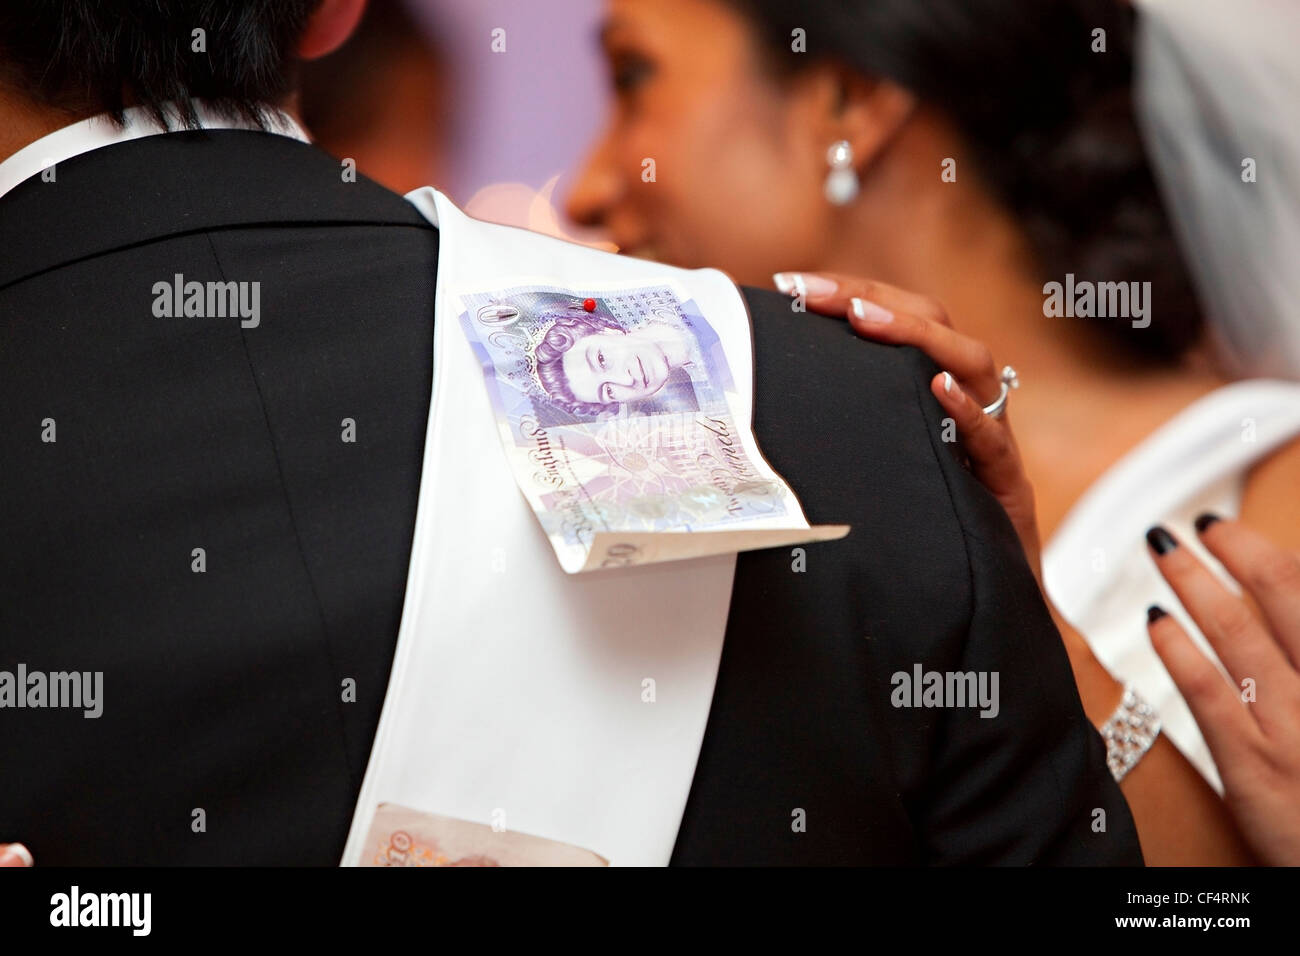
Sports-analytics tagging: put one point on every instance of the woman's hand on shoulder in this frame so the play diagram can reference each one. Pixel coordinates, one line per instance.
(970, 381)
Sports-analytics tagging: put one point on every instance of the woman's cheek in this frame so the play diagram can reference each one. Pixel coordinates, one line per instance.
(633, 154)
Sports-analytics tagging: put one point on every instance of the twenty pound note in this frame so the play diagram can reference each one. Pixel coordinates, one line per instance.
(400, 836)
(615, 408)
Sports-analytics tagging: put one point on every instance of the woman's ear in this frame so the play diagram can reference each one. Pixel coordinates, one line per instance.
(329, 27)
(868, 112)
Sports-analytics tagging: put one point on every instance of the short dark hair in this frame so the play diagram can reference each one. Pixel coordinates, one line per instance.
(91, 56)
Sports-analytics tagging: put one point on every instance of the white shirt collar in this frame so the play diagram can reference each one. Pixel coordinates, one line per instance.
(100, 131)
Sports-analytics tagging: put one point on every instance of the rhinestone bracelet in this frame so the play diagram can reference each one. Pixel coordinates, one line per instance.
(1129, 733)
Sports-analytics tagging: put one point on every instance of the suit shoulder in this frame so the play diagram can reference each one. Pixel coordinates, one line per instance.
(828, 345)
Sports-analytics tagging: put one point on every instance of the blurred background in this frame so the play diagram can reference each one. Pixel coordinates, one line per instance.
(451, 113)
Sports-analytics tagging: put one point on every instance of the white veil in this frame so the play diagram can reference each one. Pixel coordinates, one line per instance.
(1218, 82)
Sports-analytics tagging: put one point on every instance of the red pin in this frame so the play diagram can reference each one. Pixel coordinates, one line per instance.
(589, 305)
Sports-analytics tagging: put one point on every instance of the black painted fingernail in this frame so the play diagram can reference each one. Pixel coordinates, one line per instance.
(1155, 612)
(1204, 521)
(1160, 540)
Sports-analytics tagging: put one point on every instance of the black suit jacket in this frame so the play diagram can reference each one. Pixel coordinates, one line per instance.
(223, 689)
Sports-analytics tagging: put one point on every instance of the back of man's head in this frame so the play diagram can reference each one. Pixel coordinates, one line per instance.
(83, 57)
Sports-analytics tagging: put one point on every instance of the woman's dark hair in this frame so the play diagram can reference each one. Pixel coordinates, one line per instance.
(89, 56)
(1049, 124)
(567, 331)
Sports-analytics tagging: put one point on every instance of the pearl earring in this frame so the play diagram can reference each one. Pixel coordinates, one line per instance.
(841, 182)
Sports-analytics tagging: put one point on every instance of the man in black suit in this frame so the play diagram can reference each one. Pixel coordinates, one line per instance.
(181, 515)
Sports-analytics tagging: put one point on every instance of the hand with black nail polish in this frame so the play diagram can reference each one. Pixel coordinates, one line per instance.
(1160, 540)
(1252, 725)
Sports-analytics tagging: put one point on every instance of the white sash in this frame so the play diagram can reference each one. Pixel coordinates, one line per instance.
(522, 699)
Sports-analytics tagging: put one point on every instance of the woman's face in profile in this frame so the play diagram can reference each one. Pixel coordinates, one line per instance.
(706, 159)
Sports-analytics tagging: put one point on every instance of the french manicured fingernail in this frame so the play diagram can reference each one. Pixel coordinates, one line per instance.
(1155, 612)
(1204, 521)
(870, 312)
(785, 282)
(804, 283)
(15, 852)
(1160, 540)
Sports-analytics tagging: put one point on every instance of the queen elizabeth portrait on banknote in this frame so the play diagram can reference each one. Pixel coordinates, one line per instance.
(589, 359)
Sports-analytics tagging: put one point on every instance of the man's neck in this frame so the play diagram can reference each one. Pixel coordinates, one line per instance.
(23, 123)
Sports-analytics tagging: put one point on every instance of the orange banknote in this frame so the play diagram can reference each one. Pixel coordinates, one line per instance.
(400, 836)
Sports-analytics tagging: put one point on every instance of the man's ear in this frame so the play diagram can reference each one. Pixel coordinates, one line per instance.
(869, 112)
(329, 27)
